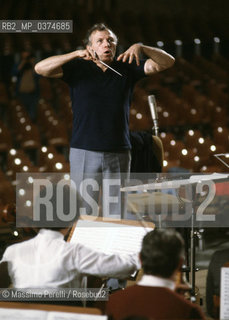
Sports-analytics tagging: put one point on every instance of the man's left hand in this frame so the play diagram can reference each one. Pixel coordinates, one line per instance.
(133, 52)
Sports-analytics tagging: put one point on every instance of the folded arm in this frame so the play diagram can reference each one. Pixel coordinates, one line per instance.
(157, 61)
(52, 66)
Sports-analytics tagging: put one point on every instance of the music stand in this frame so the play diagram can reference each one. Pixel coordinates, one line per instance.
(176, 184)
(221, 160)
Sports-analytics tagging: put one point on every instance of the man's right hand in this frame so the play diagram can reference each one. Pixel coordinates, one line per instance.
(52, 66)
(85, 54)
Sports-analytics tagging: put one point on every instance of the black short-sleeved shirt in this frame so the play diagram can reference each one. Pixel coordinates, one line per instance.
(100, 103)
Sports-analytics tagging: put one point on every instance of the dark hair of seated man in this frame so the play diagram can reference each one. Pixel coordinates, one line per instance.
(161, 253)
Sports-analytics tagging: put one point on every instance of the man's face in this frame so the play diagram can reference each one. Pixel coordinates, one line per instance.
(104, 44)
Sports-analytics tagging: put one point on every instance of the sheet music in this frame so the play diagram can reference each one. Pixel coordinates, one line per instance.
(74, 316)
(224, 294)
(27, 314)
(109, 237)
(22, 314)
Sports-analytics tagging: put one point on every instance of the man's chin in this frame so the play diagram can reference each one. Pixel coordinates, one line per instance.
(108, 59)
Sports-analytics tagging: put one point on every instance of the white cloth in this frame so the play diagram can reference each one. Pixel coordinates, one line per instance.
(47, 261)
(153, 281)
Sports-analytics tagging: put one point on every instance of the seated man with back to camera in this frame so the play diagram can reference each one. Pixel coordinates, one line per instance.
(48, 261)
(154, 296)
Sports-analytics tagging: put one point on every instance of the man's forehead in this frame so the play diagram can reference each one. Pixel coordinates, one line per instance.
(104, 33)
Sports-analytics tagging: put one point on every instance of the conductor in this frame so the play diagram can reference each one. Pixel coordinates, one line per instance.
(101, 90)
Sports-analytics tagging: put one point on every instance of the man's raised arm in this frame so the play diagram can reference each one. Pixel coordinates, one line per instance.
(158, 59)
(52, 66)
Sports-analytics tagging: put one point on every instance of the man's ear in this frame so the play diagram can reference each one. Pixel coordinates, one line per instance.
(89, 48)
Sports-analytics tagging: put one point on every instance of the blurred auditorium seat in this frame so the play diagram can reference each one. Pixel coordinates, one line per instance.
(210, 69)
(54, 130)
(17, 162)
(52, 161)
(187, 71)
(58, 164)
(191, 138)
(221, 137)
(221, 61)
(220, 116)
(169, 164)
(5, 139)
(211, 169)
(172, 153)
(16, 112)
(4, 100)
(175, 148)
(216, 92)
(31, 142)
(168, 119)
(46, 91)
(166, 138)
(139, 121)
(189, 160)
(57, 135)
(65, 107)
(203, 147)
(30, 137)
(45, 110)
(26, 134)
(44, 151)
(7, 192)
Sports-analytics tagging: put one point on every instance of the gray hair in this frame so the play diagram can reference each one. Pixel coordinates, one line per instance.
(97, 27)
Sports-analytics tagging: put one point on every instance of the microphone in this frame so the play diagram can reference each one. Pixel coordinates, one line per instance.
(153, 110)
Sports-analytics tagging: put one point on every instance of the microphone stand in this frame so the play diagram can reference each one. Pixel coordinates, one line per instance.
(154, 115)
(155, 130)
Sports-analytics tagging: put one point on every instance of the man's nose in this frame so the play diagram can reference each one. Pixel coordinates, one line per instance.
(107, 43)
